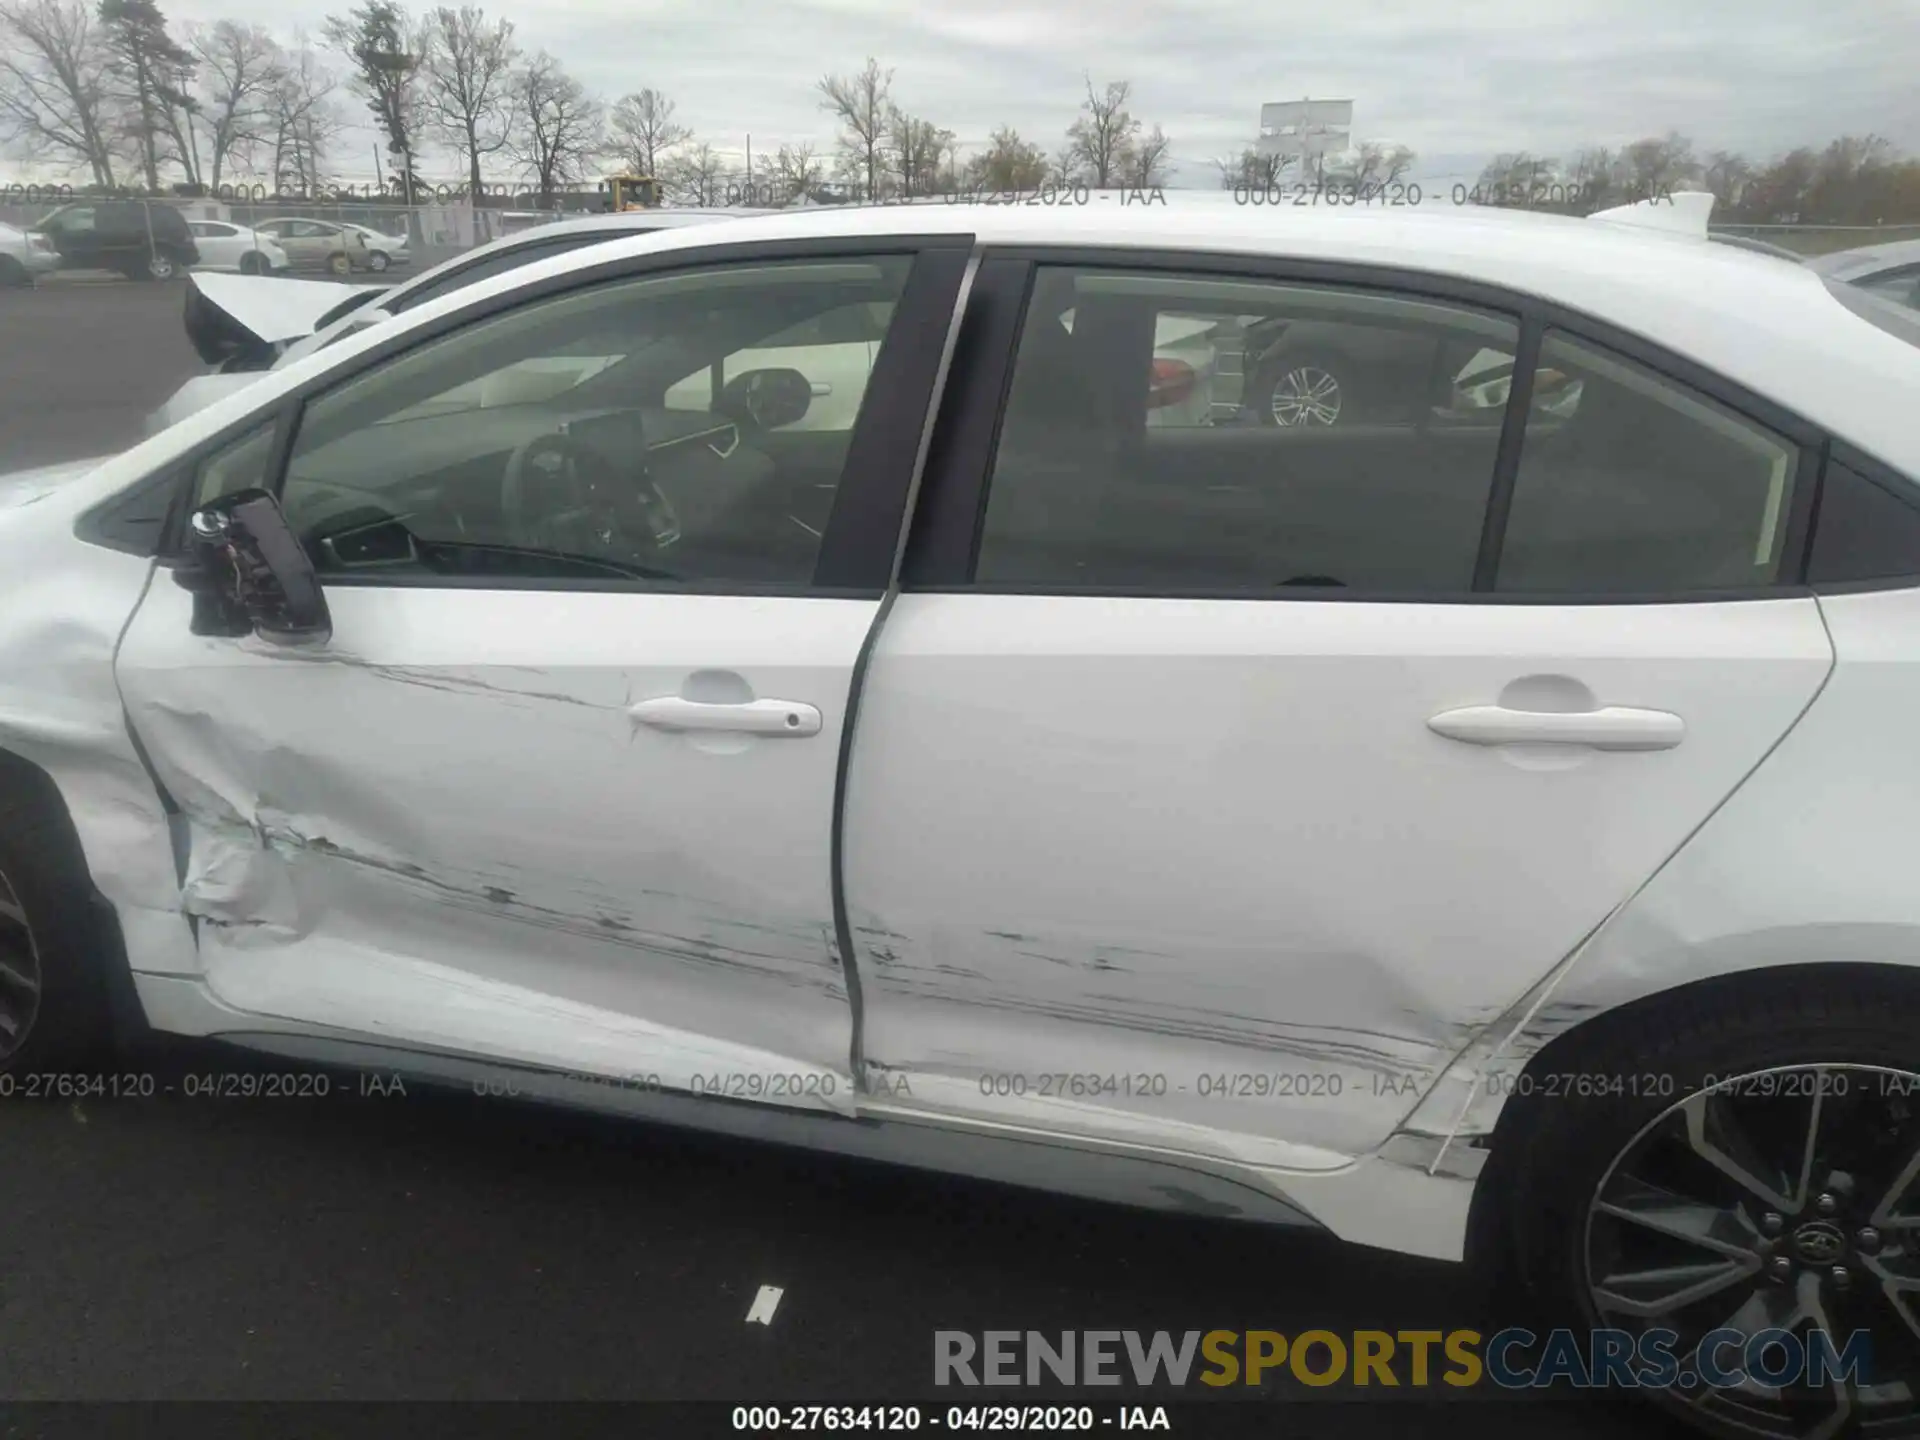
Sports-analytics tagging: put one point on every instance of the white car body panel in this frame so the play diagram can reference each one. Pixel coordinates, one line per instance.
(274, 310)
(495, 909)
(222, 252)
(489, 744)
(1159, 837)
(36, 259)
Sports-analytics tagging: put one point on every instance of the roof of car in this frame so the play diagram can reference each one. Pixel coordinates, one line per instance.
(1868, 259)
(1747, 316)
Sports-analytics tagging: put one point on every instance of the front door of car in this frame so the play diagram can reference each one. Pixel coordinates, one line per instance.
(1220, 789)
(559, 789)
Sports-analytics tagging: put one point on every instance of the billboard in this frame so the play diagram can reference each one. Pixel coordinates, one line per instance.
(1308, 129)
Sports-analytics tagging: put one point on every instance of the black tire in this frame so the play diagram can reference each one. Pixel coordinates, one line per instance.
(52, 929)
(251, 264)
(14, 275)
(1859, 1027)
(1303, 376)
(377, 260)
(339, 263)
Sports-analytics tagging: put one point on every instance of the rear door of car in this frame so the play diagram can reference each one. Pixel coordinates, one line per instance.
(534, 799)
(1215, 782)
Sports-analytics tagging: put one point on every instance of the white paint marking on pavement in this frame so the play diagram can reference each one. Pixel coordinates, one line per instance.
(764, 1304)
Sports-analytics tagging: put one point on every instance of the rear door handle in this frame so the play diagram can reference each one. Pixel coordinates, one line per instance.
(1613, 727)
(748, 717)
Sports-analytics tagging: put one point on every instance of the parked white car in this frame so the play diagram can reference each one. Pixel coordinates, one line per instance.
(1488, 842)
(236, 248)
(242, 328)
(25, 255)
(383, 250)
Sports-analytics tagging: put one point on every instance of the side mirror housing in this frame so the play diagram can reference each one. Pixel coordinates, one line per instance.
(767, 399)
(251, 575)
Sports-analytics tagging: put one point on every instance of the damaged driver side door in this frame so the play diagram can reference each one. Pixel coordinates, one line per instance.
(558, 788)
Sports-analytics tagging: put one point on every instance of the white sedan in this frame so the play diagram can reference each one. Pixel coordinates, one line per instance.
(230, 247)
(383, 250)
(1487, 841)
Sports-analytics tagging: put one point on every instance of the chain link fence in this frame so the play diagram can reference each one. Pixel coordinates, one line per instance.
(438, 232)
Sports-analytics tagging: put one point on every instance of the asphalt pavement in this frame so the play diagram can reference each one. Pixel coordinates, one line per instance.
(371, 1245)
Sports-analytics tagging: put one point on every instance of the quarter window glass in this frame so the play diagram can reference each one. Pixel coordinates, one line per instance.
(538, 443)
(1649, 488)
(1170, 432)
(241, 465)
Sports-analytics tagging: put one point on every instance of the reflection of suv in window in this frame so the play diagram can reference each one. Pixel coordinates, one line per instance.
(140, 239)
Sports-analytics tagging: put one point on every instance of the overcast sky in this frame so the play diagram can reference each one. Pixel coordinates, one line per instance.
(1457, 82)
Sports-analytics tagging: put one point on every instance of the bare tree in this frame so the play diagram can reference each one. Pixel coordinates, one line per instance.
(1008, 163)
(697, 174)
(465, 76)
(241, 67)
(1377, 164)
(560, 126)
(860, 103)
(1589, 177)
(303, 120)
(1655, 166)
(1145, 165)
(55, 96)
(150, 71)
(1250, 170)
(799, 171)
(915, 147)
(385, 48)
(643, 128)
(1064, 167)
(1102, 138)
(1517, 180)
(1727, 175)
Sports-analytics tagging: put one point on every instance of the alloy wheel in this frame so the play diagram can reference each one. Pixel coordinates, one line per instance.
(1306, 395)
(377, 260)
(160, 266)
(1783, 1200)
(19, 974)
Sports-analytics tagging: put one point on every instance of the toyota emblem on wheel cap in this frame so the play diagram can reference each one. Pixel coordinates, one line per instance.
(1819, 1243)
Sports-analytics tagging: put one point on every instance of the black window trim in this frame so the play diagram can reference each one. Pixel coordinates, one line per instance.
(861, 545)
(954, 492)
(1882, 476)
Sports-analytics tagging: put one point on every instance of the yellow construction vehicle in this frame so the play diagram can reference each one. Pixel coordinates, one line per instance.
(629, 192)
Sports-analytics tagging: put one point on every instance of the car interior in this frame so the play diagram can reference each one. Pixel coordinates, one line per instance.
(540, 443)
(1637, 486)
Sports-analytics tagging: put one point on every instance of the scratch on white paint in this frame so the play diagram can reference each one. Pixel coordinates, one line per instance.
(764, 1304)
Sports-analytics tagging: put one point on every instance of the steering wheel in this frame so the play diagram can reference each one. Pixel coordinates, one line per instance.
(560, 495)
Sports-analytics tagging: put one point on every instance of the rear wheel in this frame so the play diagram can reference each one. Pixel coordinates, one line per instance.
(1764, 1178)
(13, 274)
(162, 266)
(251, 264)
(339, 264)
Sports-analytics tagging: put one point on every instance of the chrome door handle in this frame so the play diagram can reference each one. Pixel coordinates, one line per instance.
(749, 717)
(1613, 727)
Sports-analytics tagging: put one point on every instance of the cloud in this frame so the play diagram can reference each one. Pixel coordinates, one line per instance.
(1456, 83)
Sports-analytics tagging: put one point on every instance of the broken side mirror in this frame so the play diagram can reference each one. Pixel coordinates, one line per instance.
(249, 573)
